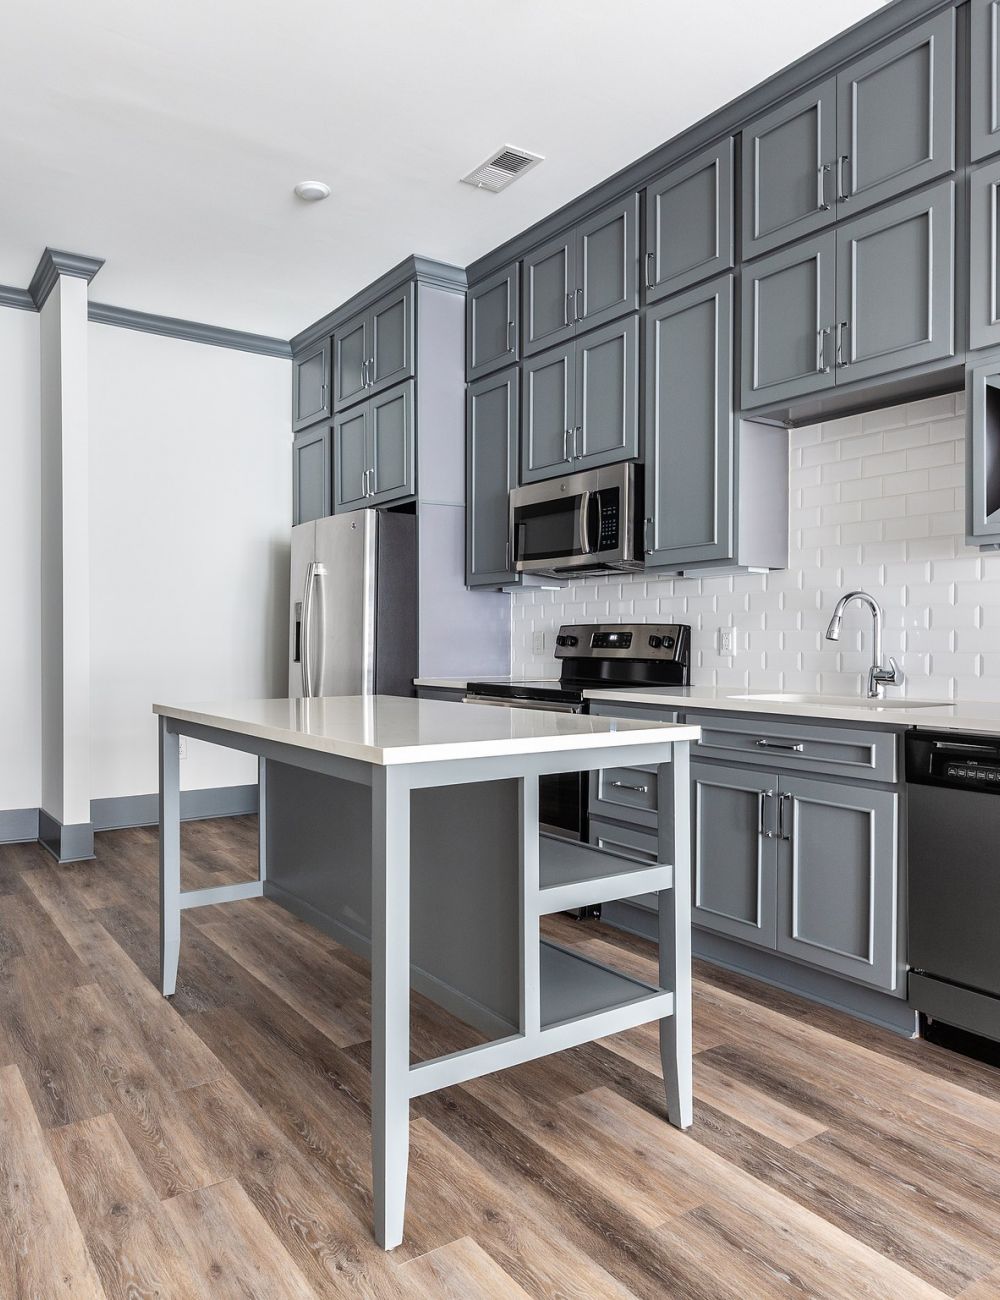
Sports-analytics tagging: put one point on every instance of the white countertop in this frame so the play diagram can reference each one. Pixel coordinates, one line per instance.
(388, 729)
(460, 683)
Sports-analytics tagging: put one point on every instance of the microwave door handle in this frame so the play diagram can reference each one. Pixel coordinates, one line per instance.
(585, 522)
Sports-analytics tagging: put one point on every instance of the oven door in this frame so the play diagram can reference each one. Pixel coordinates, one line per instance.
(583, 521)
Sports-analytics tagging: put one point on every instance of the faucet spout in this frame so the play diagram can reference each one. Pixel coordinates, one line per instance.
(880, 675)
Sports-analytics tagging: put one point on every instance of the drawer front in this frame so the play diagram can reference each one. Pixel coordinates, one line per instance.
(625, 793)
(636, 844)
(619, 709)
(797, 747)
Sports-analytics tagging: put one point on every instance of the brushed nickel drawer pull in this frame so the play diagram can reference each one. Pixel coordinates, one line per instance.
(623, 785)
(797, 748)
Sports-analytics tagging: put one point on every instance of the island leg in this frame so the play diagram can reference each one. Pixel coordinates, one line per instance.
(170, 858)
(390, 1002)
(675, 936)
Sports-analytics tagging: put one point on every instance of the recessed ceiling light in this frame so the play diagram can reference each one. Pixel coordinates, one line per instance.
(312, 191)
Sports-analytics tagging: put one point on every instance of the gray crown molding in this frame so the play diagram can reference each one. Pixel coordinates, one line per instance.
(889, 21)
(52, 264)
(103, 313)
(19, 298)
(440, 275)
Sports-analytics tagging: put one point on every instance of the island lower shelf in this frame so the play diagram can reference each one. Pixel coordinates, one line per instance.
(573, 986)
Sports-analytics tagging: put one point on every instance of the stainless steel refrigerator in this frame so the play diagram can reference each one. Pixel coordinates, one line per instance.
(353, 616)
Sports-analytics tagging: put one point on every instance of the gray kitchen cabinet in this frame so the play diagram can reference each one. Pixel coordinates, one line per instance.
(374, 350)
(733, 853)
(983, 470)
(689, 223)
(985, 79)
(350, 362)
(373, 451)
(838, 905)
(311, 386)
(585, 277)
(580, 403)
(491, 332)
(689, 426)
(984, 256)
(311, 476)
(350, 459)
(491, 471)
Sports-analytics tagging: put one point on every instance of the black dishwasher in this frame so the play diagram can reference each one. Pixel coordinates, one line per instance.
(953, 891)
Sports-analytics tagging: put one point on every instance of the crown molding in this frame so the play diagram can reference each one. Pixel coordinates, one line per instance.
(52, 264)
(103, 313)
(19, 298)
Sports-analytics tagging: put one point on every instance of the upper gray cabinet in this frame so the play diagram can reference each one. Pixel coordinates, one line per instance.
(375, 350)
(689, 427)
(585, 278)
(311, 386)
(884, 125)
(491, 332)
(491, 469)
(985, 45)
(311, 476)
(373, 451)
(689, 223)
(580, 403)
(984, 256)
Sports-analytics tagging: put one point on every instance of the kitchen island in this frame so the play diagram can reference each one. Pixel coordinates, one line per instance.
(408, 829)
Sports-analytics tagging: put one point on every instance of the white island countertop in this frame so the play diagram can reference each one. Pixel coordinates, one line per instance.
(387, 729)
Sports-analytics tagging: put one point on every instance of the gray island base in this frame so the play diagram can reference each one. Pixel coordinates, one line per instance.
(408, 830)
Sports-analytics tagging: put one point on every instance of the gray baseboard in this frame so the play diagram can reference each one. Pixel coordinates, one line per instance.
(196, 805)
(73, 843)
(18, 825)
(770, 968)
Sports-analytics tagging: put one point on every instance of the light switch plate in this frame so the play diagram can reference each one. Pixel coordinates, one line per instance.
(538, 643)
(182, 746)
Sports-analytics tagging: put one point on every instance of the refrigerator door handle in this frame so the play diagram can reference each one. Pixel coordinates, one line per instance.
(319, 582)
(306, 633)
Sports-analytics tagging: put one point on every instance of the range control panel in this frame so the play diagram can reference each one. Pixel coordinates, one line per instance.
(656, 641)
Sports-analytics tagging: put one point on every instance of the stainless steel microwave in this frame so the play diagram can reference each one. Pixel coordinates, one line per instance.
(582, 523)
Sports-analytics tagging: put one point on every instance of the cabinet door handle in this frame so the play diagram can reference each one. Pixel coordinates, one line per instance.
(842, 333)
(509, 337)
(566, 437)
(822, 366)
(364, 374)
(795, 748)
(624, 785)
(569, 301)
(650, 263)
(371, 372)
(578, 305)
(822, 204)
(506, 557)
(783, 801)
(646, 524)
(764, 795)
(577, 439)
(843, 164)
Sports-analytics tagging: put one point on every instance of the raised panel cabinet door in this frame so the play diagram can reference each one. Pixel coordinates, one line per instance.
(689, 426)
(607, 395)
(985, 45)
(734, 860)
(491, 333)
(896, 286)
(789, 311)
(788, 181)
(393, 462)
(607, 275)
(311, 476)
(390, 342)
(351, 459)
(896, 115)
(689, 223)
(311, 386)
(350, 362)
(491, 471)
(548, 413)
(838, 895)
(984, 256)
(549, 294)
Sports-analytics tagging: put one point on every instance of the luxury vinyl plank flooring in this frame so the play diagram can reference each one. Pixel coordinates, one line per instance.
(217, 1145)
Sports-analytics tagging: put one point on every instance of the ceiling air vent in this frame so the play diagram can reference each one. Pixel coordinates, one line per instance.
(501, 168)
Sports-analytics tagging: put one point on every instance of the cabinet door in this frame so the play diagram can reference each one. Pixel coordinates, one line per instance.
(491, 471)
(788, 182)
(984, 256)
(689, 223)
(350, 358)
(837, 878)
(390, 344)
(607, 277)
(491, 310)
(548, 414)
(985, 45)
(311, 386)
(689, 426)
(392, 453)
(734, 862)
(896, 286)
(607, 395)
(311, 476)
(789, 309)
(549, 294)
(351, 459)
(896, 115)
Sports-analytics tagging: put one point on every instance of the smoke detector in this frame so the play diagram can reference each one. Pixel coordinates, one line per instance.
(312, 191)
(502, 168)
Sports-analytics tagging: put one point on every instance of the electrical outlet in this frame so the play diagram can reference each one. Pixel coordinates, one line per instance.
(727, 640)
(182, 746)
(538, 643)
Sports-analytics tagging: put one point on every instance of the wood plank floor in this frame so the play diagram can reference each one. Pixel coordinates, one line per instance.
(217, 1145)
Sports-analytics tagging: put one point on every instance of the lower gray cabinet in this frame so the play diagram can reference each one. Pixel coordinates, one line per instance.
(491, 472)
(373, 451)
(311, 476)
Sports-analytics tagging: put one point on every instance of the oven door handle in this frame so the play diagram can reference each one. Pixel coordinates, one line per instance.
(549, 706)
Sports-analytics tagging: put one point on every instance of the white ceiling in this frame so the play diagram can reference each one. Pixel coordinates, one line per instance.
(167, 137)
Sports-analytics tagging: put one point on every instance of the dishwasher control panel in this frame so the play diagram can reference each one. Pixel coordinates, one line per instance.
(959, 762)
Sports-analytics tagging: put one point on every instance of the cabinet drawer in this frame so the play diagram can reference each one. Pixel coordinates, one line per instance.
(797, 747)
(625, 793)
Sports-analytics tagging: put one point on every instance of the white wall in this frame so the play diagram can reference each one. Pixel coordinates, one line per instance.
(20, 725)
(877, 502)
(190, 508)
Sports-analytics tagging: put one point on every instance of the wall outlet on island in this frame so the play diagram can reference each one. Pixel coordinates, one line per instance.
(727, 640)
(538, 643)
(182, 747)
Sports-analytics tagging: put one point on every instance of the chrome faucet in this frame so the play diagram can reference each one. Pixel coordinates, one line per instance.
(880, 675)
